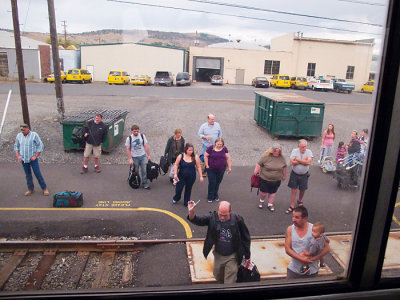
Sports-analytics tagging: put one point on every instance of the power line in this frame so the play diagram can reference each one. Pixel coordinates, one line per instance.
(241, 16)
(282, 12)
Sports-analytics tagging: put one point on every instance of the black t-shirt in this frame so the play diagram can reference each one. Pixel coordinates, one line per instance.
(224, 245)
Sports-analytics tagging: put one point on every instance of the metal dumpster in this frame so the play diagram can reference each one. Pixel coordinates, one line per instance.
(113, 119)
(288, 114)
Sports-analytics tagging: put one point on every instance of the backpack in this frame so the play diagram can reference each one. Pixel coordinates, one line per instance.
(68, 199)
(255, 183)
(133, 178)
(164, 166)
(153, 169)
(77, 135)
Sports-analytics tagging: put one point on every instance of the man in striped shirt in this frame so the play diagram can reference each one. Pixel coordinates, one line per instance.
(27, 148)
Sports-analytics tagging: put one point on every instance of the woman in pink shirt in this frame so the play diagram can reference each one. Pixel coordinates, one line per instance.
(328, 139)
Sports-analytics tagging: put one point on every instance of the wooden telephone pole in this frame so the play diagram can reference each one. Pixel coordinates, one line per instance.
(20, 64)
(56, 60)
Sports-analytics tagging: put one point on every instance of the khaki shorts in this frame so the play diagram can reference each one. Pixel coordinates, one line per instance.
(89, 148)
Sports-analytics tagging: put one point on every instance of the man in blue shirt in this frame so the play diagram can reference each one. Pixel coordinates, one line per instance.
(209, 132)
(27, 148)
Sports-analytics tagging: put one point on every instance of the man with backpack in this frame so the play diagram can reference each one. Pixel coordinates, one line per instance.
(138, 153)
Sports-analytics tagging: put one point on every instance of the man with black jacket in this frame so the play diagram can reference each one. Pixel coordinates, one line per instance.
(95, 133)
(228, 232)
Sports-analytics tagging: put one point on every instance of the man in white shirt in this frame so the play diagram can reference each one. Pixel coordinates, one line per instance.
(300, 160)
(138, 153)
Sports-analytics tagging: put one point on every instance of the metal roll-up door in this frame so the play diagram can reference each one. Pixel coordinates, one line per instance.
(208, 63)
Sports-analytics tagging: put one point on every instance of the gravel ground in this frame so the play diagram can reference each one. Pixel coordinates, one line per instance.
(21, 274)
(158, 119)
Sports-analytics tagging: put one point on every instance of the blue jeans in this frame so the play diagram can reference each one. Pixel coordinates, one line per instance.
(185, 181)
(141, 161)
(28, 174)
(214, 180)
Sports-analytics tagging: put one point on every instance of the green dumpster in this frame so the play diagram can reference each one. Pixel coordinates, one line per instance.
(288, 114)
(113, 119)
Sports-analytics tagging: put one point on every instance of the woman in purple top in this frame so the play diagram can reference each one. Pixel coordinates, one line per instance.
(216, 159)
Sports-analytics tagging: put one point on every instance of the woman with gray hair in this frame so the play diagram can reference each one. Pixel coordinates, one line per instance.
(272, 170)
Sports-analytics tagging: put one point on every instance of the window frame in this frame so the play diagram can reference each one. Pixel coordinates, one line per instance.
(275, 64)
(310, 69)
(350, 72)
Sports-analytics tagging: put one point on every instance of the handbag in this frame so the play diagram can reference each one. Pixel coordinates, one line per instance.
(68, 199)
(255, 183)
(248, 272)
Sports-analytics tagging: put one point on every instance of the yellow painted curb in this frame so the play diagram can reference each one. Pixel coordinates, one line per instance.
(185, 225)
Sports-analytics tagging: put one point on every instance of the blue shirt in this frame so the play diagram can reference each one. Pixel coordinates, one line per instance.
(213, 131)
(27, 146)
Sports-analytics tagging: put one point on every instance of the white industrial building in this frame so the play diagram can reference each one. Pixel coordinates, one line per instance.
(135, 58)
(290, 55)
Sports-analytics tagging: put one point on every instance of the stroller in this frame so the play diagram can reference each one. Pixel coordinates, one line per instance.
(328, 164)
(348, 171)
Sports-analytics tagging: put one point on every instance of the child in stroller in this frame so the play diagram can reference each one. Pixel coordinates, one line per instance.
(328, 164)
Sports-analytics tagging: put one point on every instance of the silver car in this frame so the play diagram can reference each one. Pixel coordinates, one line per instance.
(163, 78)
(216, 79)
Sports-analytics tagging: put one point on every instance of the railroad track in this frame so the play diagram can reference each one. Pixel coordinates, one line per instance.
(70, 264)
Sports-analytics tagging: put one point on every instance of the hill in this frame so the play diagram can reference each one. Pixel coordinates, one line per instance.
(175, 39)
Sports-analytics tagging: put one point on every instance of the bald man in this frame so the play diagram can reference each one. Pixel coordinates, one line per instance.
(230, 236)
(209, 132)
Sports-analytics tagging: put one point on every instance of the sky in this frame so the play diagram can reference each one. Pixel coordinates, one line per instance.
(248, 20)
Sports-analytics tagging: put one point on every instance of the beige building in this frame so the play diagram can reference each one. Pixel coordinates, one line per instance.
(289, 54)
(135, 58)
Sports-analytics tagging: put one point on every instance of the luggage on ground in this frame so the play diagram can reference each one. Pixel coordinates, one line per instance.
(68, 199)
(133, 178)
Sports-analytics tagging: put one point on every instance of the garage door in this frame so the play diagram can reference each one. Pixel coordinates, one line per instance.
(208, 63)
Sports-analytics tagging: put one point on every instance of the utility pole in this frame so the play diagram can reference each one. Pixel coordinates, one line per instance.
(20, 64)
(65, 32)
(56, 60)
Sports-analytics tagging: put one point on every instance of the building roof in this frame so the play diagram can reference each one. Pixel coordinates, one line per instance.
(238, 45)
(7, 41)
(359, 42)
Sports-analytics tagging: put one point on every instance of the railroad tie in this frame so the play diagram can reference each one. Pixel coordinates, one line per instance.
(36, 279)
(10, 266)
(104, 270)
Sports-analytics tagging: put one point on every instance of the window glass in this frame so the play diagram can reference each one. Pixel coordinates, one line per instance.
(311, 69)
(350, 72)
(261, 129)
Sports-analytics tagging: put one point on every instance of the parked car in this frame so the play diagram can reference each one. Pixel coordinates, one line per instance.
(260, 82)
(280, 80)
(368, 87)
(118, 77)
(217, 79)
(298, 82)
(320, 83)
(163, 78)
(79, 75)
(141, 80)
(50, 78)
(341, 85)
(182, 78)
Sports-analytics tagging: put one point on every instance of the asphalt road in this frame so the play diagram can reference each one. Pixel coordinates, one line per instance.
(327, 203)
(197, 91)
